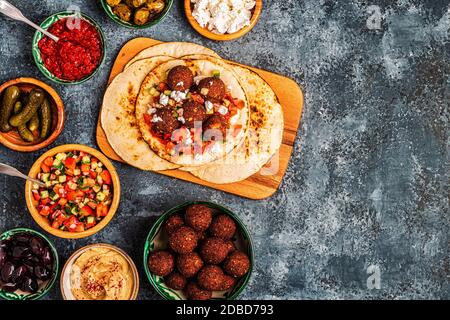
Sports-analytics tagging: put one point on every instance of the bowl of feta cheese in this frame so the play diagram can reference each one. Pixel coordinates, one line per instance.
(223, 20)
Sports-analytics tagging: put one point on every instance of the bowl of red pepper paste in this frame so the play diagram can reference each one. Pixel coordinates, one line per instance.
(78, 54)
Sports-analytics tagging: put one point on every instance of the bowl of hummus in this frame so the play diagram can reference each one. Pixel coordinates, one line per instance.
(223, 20)
(99, 272)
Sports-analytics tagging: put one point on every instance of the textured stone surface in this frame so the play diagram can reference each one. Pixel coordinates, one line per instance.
(368, 182)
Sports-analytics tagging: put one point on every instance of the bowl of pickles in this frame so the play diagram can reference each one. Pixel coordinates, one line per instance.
(137, 14)
(31, 114)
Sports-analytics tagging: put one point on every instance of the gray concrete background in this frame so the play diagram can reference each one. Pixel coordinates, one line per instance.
(368, 181)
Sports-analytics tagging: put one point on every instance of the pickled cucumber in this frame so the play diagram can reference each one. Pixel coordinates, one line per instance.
(17, 107)
(10, 97)
(24, 133)
(35, 99)
(45, 113)
(34, 123)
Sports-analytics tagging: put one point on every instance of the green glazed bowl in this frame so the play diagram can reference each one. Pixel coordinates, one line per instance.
(45, 287)
(157, 240)
(130, 25)
(47, 24)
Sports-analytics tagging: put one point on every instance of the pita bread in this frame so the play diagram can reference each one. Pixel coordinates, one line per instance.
(119, 121)
(172, 49)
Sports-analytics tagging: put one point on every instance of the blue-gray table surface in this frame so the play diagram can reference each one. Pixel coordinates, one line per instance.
(367, 186)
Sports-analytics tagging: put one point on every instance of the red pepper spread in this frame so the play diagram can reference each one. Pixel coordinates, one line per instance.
(78, 52)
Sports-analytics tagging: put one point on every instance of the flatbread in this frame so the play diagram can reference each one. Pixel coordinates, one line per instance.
(199, 68)
(263, 139)
(172, 49)
(119, 121)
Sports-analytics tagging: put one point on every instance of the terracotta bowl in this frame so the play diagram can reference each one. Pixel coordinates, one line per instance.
(188, 8)
(43, 222)
(66, 290)
(12, 139)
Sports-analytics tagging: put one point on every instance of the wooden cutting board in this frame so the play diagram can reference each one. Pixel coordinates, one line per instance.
(258, 186)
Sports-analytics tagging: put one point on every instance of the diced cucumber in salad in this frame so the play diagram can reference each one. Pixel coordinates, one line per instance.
(78, 192)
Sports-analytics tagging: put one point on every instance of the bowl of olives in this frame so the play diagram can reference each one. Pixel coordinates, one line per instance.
(137, 14)
(28, 265)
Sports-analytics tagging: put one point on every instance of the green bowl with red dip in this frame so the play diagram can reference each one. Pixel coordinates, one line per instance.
(79, 53)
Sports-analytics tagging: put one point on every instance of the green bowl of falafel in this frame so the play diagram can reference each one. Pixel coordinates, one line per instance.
(137, 14)
(198, 251)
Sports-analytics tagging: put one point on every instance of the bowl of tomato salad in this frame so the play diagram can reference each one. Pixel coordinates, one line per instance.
(81, 193)
(78, 54)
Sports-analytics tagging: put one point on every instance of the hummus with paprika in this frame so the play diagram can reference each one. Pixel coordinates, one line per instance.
(101, 274)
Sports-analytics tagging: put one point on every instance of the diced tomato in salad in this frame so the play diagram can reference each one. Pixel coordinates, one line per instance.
(78, 192)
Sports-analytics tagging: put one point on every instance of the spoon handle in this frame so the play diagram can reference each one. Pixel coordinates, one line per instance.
(13, 172)
(9, 10)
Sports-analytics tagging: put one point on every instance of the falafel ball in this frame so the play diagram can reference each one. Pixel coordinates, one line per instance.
(183, 240)
(193, 112)
(198, 217)
(212, 89)
(194, 292)
(215, 128)
(163, 121)
(173, 223)
(223, 226)
(214, 250)
(211, 277)
(175, 281)
(161, 263)
(189, 264)
(180, 78)
(237, 264)
(228, 282)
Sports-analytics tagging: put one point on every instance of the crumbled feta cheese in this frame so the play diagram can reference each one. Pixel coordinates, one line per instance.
(163, 99)
(235, 118)
(156, 119)
(209, 106)
(180, 84)
(178, 96)
(198, 157)
(223, 110)
(223, 16)
(182, 120)
(151, 110)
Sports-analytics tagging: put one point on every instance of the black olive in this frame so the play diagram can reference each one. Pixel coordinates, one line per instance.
(29, 285)
(2, 256)
(9, 287)
(22, 237)
(42, 273)
(36, 245)
(31, 260)
(20, 252)
(47, 258)
(18, 273)
(7, 271)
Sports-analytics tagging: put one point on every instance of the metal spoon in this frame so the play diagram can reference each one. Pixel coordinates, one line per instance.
(10, 171)
(9, 10)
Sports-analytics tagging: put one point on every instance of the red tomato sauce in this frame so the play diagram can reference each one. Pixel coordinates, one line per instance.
(78, 52)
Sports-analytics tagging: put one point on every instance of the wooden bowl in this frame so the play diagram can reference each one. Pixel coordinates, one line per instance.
(12, 139)
(66, 290)
(43, 222)
(188, 7)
